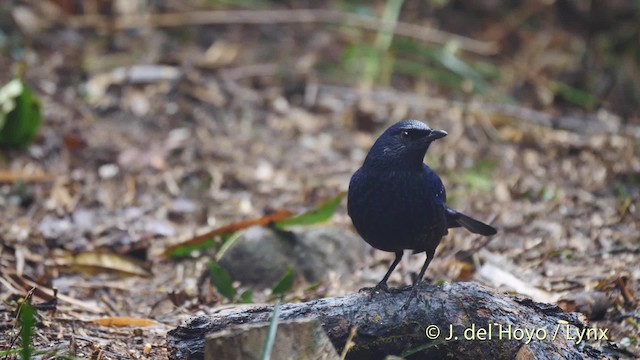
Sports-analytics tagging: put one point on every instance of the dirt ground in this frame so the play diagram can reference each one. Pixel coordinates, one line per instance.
(155, 128)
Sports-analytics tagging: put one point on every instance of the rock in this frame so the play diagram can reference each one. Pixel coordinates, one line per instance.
(260, 256)
(323, 249)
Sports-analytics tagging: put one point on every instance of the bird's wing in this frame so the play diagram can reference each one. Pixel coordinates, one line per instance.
(434, 183)
(458, 219)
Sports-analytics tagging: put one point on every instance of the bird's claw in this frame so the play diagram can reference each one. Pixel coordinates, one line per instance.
(381, 287)
(412, 294)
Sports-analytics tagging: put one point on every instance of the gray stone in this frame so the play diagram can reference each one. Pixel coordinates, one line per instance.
(259, 257)
(320, 250)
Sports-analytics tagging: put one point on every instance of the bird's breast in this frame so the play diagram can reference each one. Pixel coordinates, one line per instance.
(395, 210)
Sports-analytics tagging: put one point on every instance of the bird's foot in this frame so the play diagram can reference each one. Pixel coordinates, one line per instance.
(381, 287)
(412, 294)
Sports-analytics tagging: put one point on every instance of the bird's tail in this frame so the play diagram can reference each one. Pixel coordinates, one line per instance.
(457, 219)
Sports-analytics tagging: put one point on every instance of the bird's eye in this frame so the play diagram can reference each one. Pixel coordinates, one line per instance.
(405, 134)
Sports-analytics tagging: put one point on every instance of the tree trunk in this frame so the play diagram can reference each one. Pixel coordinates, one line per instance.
(457, 321)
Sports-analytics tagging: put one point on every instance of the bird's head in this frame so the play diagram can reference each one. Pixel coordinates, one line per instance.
(403, 145)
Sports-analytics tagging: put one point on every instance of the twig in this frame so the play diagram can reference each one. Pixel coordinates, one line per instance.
(44, 292)
(284, 16)
(12, 177)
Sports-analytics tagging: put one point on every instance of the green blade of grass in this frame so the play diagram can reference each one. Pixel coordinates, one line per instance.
(442, 65)
(246, 297)
(229, 240)
(320, 214)
(389, 18)
(447, 57)
(270, 339)
(373, 65)
(27, 322)
(574, 95)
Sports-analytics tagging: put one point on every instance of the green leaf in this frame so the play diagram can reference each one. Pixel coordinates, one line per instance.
(313, 286)
(271, 333)
(574, 95)
(246, 297)
(186, 249)
(20, 114)
(284, 285)
(10, 352)
(221, 280)
(320, 214)
(27, 322)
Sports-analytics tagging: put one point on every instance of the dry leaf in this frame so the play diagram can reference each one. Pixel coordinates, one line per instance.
(123, 321)
(499, 277)
(92, 262)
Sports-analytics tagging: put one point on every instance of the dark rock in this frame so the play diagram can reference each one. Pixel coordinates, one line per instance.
(259, 257)
(323, 249)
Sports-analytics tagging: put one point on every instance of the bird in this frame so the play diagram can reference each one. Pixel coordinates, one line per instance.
(396, 202)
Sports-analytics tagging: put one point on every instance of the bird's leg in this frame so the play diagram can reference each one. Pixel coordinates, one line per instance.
(414, 288)
(382, 285)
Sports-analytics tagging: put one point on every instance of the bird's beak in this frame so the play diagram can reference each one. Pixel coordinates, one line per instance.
(436, 134)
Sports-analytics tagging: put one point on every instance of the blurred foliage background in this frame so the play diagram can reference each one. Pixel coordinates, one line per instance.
(125, 125)
(573, 55)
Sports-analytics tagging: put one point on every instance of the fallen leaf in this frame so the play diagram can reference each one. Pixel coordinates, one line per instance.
(499, 277)
(123, 321)
(93, 262)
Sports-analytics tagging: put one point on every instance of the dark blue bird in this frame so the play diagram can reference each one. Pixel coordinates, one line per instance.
(396, 202)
